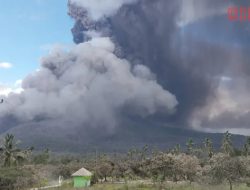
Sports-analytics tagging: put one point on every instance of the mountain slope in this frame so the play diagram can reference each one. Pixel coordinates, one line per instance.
(76, 139)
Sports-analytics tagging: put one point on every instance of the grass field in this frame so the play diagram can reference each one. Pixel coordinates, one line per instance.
(156, 187)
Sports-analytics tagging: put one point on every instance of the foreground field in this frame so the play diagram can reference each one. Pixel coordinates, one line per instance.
(142, 169)
(156, 187)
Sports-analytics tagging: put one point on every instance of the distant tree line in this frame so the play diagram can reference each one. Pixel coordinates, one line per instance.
(192, 163)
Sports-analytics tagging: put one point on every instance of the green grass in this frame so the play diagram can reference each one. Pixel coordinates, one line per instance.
(140, 186)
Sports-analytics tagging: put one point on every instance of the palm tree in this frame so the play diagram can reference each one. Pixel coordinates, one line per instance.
(246, 147)
(144, 152)
(10, 153)
(248, 141)
(208, 145)
(227, 145)
(190, 145)
(177, 149)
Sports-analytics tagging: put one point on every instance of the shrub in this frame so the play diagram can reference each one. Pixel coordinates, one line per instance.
(16, 178)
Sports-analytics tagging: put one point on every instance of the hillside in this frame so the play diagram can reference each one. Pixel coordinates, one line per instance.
(75, 140)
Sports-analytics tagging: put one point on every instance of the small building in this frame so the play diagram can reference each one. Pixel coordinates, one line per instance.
(82, 178)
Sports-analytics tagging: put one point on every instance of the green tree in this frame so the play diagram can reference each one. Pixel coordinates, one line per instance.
(245, 150)
(131, 153)
(144, 152)
(10, 153)
(42, 158)
(177, 149)
(208, 146)
(104, 168)
(190, 146)
(225, 167)
(162, 166)
(188, 167)
(227, 146)
(246, 147)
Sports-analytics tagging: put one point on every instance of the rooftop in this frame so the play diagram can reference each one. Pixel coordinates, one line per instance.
(82, 172)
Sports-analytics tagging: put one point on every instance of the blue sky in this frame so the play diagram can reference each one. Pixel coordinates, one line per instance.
(27, 28)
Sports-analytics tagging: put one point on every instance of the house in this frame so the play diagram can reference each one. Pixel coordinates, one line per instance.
(82, 178)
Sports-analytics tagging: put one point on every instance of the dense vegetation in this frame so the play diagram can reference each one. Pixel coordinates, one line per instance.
(198, 165)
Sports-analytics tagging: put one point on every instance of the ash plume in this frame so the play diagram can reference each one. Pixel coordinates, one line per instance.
(143, 63)
(89, 87)
(98, 9)
(189, 45)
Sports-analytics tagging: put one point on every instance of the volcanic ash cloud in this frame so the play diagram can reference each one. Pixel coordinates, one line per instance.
(98, 9)
(88, 85)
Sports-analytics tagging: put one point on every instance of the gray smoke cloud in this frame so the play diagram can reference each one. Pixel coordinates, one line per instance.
(137, 62)
(98, 9)
(192, 48)
(89, 87)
